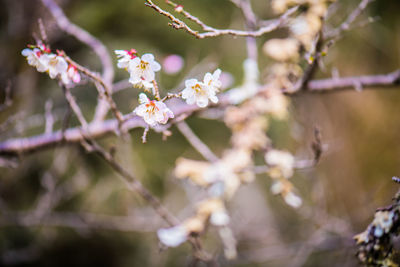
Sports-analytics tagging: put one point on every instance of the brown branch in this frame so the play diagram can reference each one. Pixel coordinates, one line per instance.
(367, 81)
(213, 32)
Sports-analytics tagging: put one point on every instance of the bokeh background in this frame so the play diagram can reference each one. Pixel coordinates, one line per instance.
(360, 131)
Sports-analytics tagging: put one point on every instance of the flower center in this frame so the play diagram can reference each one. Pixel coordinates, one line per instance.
(198, 89)
(143, 65)
(151, 107)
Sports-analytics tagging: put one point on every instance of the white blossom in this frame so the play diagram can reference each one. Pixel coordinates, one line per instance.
(281, 159)
(56, 65)
(219, 218)
(292, 199)
(212, 81)
(172, 237)
(277, 187)
(153, 112)
(35, 58)
(142, 70)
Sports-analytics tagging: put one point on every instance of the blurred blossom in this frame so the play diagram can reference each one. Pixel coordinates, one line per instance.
(172, 237)
(173, 64)
(292, 200)
(227, 80)
(219, 218)
(281, 159)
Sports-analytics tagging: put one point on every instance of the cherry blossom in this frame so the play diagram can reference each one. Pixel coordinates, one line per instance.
(200, 93)
(212, 80)
(153, 112)
(56, 65)
(35, 58)
(142, 70)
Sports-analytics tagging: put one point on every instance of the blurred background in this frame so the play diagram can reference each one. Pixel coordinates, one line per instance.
(360, 131)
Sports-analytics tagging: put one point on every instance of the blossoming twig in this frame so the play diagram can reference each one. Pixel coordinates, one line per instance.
(24, 145)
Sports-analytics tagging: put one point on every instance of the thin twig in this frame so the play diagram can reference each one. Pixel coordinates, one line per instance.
(202, 148)
(213, 32)
(345, 26)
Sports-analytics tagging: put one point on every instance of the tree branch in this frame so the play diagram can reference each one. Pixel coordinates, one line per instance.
(17, 146)
(213, 32)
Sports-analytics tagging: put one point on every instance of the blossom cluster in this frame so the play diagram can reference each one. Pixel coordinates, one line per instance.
(41, 57)
(142, 71)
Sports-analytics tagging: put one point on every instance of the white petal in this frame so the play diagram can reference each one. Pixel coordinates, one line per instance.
(293, 200)
(148, 75)
(216, 74)
(65, 79)
(120, 52)
(214, 99)
(143, 99)
(62, 65)
(219, 218)
(276, 188)
(208, 78)
(155, 66)
(26, 52)
(148, 57)
(134, 79)
(140, 110)
(191, 82)
(202, 102)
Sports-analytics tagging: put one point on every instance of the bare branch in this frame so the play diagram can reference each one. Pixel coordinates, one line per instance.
(345, 26)
(213, 32)
(368, 81)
